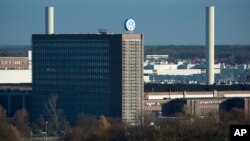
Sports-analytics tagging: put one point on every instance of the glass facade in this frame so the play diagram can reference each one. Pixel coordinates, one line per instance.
(13, 100)
(84, 70)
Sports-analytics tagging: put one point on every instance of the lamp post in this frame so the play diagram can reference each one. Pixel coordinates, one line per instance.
(31, 134)
(46, 130)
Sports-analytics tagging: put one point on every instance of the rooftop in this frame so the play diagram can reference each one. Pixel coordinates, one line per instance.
(16, 87)
(150, 87)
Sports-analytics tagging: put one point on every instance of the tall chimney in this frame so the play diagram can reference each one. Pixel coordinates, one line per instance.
(210, 44)
(49, 20)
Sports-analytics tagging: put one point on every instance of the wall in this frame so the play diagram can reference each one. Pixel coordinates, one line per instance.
(15, 76)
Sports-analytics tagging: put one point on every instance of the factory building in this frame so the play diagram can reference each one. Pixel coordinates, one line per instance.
(14, 63)
(91, 73)
(14, 97)
(16, 69)
(95, 74)
(197, 100)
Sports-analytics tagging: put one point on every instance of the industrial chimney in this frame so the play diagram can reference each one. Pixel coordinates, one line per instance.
(49, 20)
(210, 44)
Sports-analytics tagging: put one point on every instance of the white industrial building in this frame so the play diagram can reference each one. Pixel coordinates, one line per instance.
(15, 76)
(195, 94)
(178, 69)
(8, 76)
(156, 56)
(162, 72)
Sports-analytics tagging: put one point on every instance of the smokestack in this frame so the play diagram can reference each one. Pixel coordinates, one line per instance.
(49, 20)
(210, 44)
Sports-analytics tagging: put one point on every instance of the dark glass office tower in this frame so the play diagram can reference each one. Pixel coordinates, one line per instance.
(91, 73)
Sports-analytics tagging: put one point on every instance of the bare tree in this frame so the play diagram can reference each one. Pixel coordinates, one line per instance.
(104, 123)
(21, 121)
(186, 110)
(56, 115)
(3, 116)
(38, 125)
(84, 126)
(100, 130)
(86, 122)
(8, 132)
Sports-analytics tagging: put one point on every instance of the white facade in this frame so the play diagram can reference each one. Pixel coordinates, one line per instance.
(30, 59)
(148, 71)
(202, 94)
(174, 69)
(15, 76)
(156, 56)
(165, 66)
(146, 79)
(167, 96)
(179, 72)
(161, 72)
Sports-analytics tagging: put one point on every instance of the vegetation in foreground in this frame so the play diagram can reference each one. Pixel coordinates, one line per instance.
(210, 128)
(89, 128)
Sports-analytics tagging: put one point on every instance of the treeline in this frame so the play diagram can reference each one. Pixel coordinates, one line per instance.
(90, 128)
(210, 128)
(229, 54)
(14, 128)
(182, 127)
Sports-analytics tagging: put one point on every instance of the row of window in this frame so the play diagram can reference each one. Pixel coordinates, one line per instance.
(13, 62)
(210, 102)
(69, 51)
(72, 70)
(206, 111)
(13, 68)
(74, 65)
(68, 82)
(77, 90)
(71, 60)
(66, 43)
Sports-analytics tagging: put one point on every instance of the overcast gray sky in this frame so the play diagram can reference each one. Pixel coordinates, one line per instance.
(163, 22)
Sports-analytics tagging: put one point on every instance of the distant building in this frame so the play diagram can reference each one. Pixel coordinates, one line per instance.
(16, 69)
(14, 63)
(91, 73)
(15, 97)
(200, 100)
(169, 73)
(156, 57)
